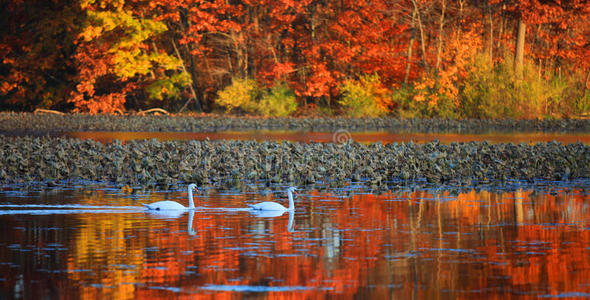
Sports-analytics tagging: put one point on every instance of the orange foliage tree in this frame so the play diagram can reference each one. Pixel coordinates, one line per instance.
(36, 48)
(118, 57)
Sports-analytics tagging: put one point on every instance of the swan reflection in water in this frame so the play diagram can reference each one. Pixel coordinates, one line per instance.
(190, 230)
(166, 214)
(174, 214)
(274, 214)
(260, 210)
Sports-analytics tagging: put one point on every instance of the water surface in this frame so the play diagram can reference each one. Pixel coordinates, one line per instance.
(338, 136)
(94, 242)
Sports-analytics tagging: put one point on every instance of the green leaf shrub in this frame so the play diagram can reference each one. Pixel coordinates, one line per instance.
(364, 97)
(279, 101)
(245, 95)
(241, 94)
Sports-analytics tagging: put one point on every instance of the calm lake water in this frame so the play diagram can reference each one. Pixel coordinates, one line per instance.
(338, 136)
(95, 242)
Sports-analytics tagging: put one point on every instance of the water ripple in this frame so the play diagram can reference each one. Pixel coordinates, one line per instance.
(257, 288)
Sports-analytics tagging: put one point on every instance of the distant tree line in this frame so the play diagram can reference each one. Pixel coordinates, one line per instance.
(410, 58)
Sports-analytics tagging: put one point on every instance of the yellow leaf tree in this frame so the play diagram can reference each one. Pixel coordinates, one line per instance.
(118, 58)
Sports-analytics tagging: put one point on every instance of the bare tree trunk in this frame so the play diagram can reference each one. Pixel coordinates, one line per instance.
(441, 24)
(587, 82)
(422, 39)
(313, 23)
(208, 68)
(519, 53)
(272, 49)
(192, 62)
(188, 83)
(502, 25)
(422, 42)
(410, 46)
(551, 66)
(460, 18)
(491, 36)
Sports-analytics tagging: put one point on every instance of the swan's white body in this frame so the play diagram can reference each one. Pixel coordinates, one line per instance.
(266, 213)
(173, 205)
(268, 205)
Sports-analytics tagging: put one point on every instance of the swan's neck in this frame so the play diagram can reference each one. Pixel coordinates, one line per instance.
(291, 202)
(191, 203)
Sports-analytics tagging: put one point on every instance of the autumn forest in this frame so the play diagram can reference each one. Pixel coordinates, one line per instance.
(404, 58)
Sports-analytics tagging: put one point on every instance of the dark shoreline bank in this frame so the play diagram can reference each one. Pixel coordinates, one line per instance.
(51, 124)
(153, 163)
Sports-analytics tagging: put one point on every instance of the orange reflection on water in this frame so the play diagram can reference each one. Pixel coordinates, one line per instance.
(363, 137)
(401, 244)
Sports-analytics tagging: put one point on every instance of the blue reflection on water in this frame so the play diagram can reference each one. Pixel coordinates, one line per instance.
(255, 288)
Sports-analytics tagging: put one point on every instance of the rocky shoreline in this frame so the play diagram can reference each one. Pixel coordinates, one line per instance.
(40, 124)
(160, 164)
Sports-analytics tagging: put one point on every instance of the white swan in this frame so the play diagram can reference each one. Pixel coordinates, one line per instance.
(173, 205)
(266, 213)
(268, 205)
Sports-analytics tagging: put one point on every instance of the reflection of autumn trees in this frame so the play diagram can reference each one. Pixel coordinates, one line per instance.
(518, 243)
(103, 244)
(400, 244)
